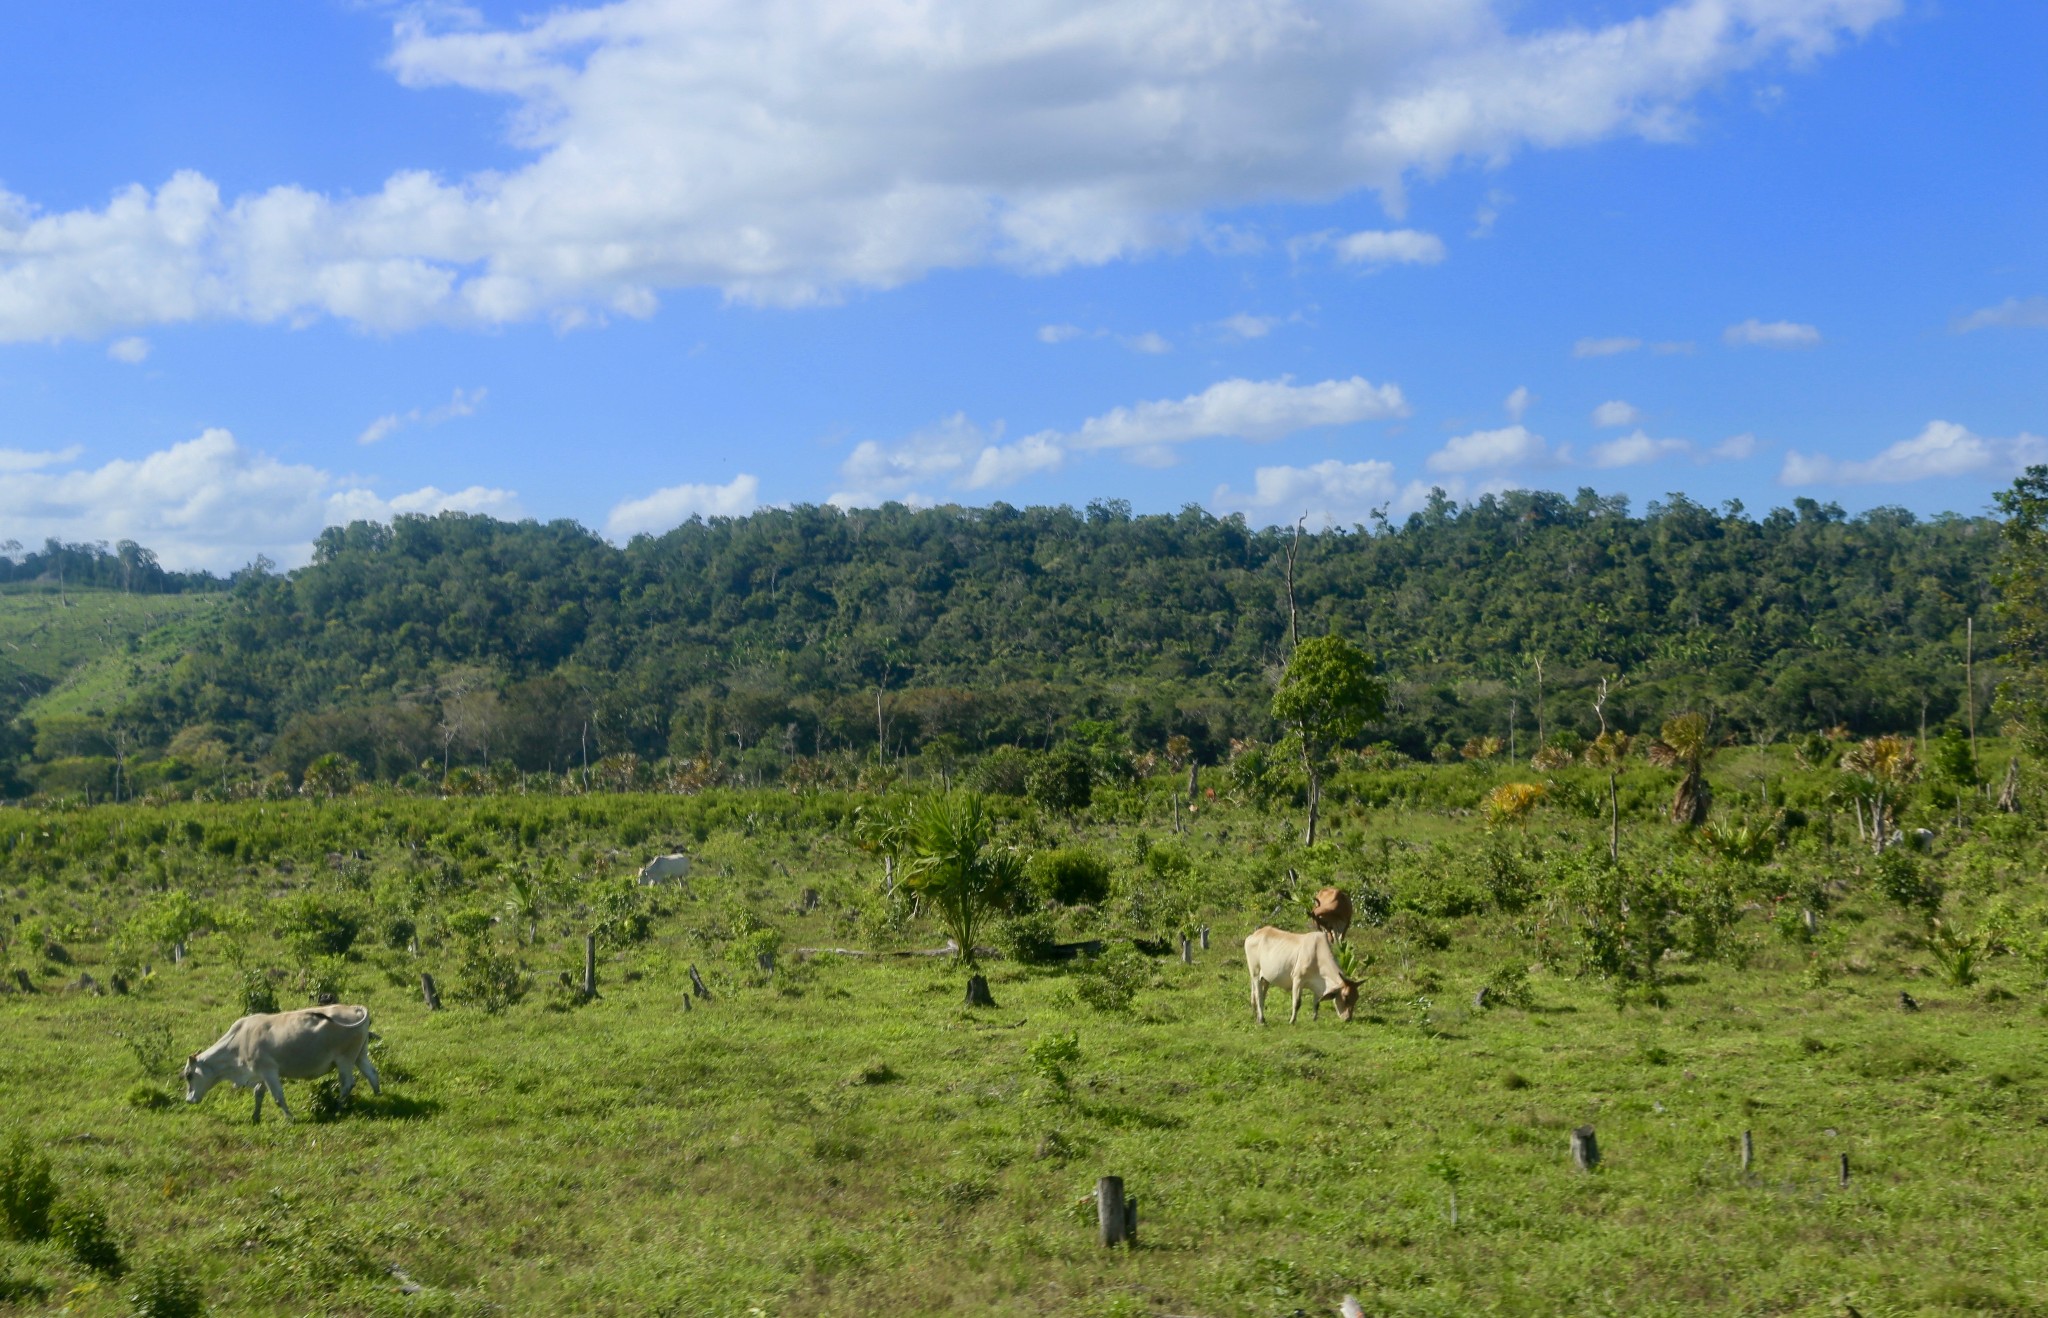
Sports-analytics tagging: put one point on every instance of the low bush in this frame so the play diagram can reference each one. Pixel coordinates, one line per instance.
(28, 1190)
(165, 1288)
(1029, 939)
(1071, 876)
(80, 1225)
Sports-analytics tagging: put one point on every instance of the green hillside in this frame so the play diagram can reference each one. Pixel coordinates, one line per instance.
(91, 651)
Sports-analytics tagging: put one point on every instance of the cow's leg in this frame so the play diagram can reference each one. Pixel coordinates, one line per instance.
(1258, 998)
(276, 1088)
(369, 1069)
(1291, 1016)
(347, 1075)
(257, 1116)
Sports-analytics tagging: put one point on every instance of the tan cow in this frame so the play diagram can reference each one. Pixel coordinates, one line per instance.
(665, 867)
(1300, 961)
(259, 1052)
(1332, 912)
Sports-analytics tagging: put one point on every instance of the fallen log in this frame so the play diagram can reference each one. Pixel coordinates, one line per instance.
(950, 949)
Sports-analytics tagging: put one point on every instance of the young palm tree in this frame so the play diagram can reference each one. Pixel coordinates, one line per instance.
(1885, 764)
(962, 872)
(1610, 751)
(1686, 743)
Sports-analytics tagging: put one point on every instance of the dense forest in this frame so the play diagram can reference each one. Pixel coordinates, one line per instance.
(756, 646)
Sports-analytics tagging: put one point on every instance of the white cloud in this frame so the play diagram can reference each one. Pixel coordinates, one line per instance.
(670, 507)
(1382, 247)
(2013, 313)
(1681, 347)
(1616, 413)
(964, 456)
(1149, 342)
(208, 502)
(14, 459)
(1636, 449)
(1754, 333)
(1246, 326)
(1329, 493)
(1518, 402)
(783, 153)
(1942, 449)
(1735, 448)
(1489, 211)
(1259, 410)
(1510, 446)
(132, 350)
(1605, 347)
(463, 403)
(1059, 333)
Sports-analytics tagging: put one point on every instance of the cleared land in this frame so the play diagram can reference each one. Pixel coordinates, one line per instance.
(87, 652)
(842, 1136)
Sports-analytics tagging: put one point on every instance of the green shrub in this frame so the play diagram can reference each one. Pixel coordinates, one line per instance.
(1508, 986)
(17, 1289)
(1071, 876)
(1029, 939)
(80, 1225)
(27, 1190)
(1004, 771)
(1053, 1056)
(1110, 982)
(259, 995)
(491, 979)
(165, 1288)
(149, 1097)
(1898, 878)
(1062, 780)
(314, 926)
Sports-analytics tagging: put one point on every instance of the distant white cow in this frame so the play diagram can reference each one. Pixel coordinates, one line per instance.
(260, 1052)
(1300, 961)
(665, 867)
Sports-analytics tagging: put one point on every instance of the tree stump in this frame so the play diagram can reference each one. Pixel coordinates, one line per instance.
(428, 993)
(977, 992)
(766, 962)
(22, 981)
(590, 965)
(686, 1004)
(1111, 1215)
(697, 985)
(1748, 1150)
(1585, 1149)
(809, 900)
(1845, 1171)
(1479, 999)
(1187, 955)
(1810, 920)
(1131, 1222)
(1205, 938)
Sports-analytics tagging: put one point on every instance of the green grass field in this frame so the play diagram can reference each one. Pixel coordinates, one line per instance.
(83, 653)
(843, 1136)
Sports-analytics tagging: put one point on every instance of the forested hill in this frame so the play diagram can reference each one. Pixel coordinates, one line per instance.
(798, 632)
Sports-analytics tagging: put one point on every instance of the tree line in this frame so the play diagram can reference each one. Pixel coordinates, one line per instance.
(750, 644)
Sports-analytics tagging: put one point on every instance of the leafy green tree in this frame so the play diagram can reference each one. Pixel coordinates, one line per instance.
(2022, 581)
(958, 866)
(1326, 697)
(1686, 744)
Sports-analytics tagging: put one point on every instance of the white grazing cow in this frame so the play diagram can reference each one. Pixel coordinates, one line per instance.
(1300, 961)
(665, 867)
(259, 1052)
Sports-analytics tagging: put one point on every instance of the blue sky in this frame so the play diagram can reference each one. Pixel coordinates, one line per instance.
(266, 266)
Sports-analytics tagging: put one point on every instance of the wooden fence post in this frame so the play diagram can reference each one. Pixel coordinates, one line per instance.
(1748, 1150)
(427, 993)
(1110, 1213)
(1205, 938)
(1187, 955)
(686, 1004)
(590, 965)
(1585, 1149)
(1845, 1171)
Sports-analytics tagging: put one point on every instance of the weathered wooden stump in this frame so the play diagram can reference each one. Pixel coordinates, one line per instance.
(590, 965)
(1585, 1149)
(766, 962)
(1748, 1150)
(1187, 954)
(977, 992)
(1479, 999)
(1112, 1216)
(697, 985)
(809, 900)
(22, 981)
(1205, 937)
(1845, 1171)
(1810, 920)
(428, 993)
(686, 1004)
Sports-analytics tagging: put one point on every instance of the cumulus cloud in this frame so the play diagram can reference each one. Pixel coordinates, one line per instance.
(673, 505)
(1518, 402)
(1150, 342)
(1059, 333)
(1636, 449)
(209, 502)
(463, 403)
(1605, 347)
(959, 454)
(2013, 313)
(1735, 448)
(132, 350)
(1245, 326)
(1754, 333)
(1942, 449)
(1491, 450)
(1377, 248)
(1330, 493)
(1616, 413)
(1489, 211)
(14, 459)
(783, 153)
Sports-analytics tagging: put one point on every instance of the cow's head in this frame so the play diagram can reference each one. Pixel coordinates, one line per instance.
(1345, 995)
(197, 1079)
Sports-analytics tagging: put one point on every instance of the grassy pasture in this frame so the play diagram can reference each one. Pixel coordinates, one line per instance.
(85, 652)
(843, 1136)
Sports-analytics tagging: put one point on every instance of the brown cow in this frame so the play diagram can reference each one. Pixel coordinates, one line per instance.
(1332, 912)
